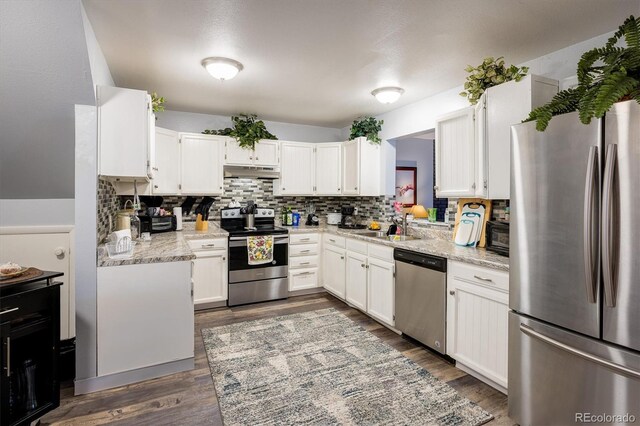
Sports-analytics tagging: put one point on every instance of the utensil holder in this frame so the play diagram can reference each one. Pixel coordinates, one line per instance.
(201, 225)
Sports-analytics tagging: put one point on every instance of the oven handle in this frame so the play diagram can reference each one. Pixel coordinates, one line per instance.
(242, 241)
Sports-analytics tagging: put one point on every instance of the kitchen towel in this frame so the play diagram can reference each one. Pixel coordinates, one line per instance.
(260, 249)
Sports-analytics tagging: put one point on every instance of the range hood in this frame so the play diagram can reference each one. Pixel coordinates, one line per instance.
(252, 172)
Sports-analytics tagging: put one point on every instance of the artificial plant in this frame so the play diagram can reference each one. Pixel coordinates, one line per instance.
(157, 102)
(247, 130)
(490, 72)
(367, 127)
(606, 75)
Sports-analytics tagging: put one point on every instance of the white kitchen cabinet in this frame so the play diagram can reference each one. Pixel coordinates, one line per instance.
(455, 154)
(144, 316)
(500, 107)
(361, 168)
(381, 290)
(264, 154)
(267, 153)
(334, 270)
(328, 169)
(297, 169)
(304, 268)
(166, 180)
(477, 321)
(209, 272)
(125, 127)
(201, 164)
(303, 279)
(356, 280)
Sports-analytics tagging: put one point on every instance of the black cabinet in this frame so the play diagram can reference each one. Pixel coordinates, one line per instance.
(30, 335)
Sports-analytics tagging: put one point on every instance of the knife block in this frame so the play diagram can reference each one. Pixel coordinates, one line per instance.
(201, 225)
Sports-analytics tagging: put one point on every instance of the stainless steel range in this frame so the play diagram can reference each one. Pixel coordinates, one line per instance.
(255, 283)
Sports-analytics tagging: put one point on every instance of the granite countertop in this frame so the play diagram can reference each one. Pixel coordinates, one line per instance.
(164, 247)
(433, 246)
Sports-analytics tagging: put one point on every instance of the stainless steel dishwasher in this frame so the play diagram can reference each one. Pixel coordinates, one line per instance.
(421, 297)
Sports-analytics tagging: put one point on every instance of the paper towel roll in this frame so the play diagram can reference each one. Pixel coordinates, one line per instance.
(177, 212)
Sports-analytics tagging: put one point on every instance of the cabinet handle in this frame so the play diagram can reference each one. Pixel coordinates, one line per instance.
(473, 186)
(8, 356)
(284, 189)
(224, 258)
(304, 239)
(451, 292)
(6, 311)
(220, 187)
(155, 186)
(338, 189)
(356, 188)
(367, 266)
(155, 168)
(436, 187)
(302, 273)
(342, 257)
(207, 245)
(250, 158)
(257, 159)
(489, 280)
(304, 251)
(304, 263)
(332, 240)
(362, 264)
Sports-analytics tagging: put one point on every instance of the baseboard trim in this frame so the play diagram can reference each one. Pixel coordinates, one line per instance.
(210, 305)
(307, 291)
(95, 384)
(481, 377)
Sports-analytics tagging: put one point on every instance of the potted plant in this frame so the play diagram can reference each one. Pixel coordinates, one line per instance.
(490, 72)
(367, 127)
(157, 103)
(606, 75)
(247, 130)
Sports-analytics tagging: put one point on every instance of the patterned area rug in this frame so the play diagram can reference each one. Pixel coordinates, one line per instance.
(318, 368)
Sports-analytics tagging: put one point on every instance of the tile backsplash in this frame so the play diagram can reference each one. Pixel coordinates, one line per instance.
(108, 206)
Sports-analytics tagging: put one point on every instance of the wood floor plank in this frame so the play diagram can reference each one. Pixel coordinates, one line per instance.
(189, 398)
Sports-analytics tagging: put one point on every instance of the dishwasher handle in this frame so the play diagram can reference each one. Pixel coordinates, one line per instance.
(422, 260)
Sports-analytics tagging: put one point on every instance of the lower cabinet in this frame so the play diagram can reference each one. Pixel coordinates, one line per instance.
(334, 270)
(304, 250)
(144, 316)
(210, 276)
(381, 290)
(356, 279)
(477, 321)
(303, 279)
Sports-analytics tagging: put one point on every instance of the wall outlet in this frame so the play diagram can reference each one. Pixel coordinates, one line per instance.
(355, 211)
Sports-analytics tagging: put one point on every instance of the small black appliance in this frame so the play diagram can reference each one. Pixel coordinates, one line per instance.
(348, 220)
(498, 237)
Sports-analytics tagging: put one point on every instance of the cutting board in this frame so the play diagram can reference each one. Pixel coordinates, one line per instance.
(473, 204)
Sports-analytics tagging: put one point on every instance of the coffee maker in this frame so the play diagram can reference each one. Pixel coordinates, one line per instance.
(312, 218)
(349, 221)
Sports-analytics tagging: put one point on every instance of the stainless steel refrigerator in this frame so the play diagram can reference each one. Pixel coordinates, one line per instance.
(574, 325)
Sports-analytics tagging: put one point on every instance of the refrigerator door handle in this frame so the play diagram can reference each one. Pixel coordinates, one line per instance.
(607, 231)
(617, 368)
(588, 234)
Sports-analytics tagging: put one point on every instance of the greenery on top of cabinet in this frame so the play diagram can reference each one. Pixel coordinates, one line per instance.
(367, 127)
(247, 130)
(606, 75)
(157, 102)
(489, 73)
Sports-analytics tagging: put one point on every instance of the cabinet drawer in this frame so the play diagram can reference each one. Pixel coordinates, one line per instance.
(303, 238)
(334, 240)
(381, 252)
(487, 277)
(357, 246)
(303, 250)
(303, 262)
(300, 279)
(208, 244)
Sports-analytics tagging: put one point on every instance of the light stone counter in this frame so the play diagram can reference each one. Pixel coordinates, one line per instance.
(164, 247)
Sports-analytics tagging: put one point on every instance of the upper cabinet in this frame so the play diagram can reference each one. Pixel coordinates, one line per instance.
(201, 164)
(473, 144)
(455, 155)
(265, 154)
(166, 178)
(297, 169)
(125, 133)
(361, 167)
(329, 168)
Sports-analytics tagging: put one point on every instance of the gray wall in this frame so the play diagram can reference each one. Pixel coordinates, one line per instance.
(194, 122)
(419, 151)
(44, 72)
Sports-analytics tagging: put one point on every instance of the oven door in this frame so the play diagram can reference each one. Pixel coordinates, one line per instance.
(240, 270)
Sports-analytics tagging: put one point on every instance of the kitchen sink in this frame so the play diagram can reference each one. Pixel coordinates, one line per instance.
(375, 234)
(397, 237)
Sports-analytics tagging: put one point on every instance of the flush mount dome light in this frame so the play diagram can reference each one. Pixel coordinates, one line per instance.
(222, 68)
(387, 95)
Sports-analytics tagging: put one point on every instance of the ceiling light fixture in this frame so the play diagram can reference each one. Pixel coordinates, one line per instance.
(387, 95)
(222, 68)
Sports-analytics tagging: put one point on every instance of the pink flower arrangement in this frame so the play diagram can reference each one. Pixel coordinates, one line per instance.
(397, 206)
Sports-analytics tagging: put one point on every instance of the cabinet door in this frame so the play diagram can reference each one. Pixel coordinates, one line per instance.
(350, 167)
(455, 154)
(477, 329)
(328, 169)
(302, 279)
(167, 174)
(480, 122)
(234, 155)
(144, 316)
(201, 164)
(333, 271)
(297, 168)
(356, 280)
(123, 132)
(209, 278)
(381, 290)
(266, 153)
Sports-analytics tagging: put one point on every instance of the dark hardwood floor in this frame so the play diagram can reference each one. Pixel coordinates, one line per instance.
(189, 398)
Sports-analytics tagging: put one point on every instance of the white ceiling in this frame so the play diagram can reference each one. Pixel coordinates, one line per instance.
(316, 61)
